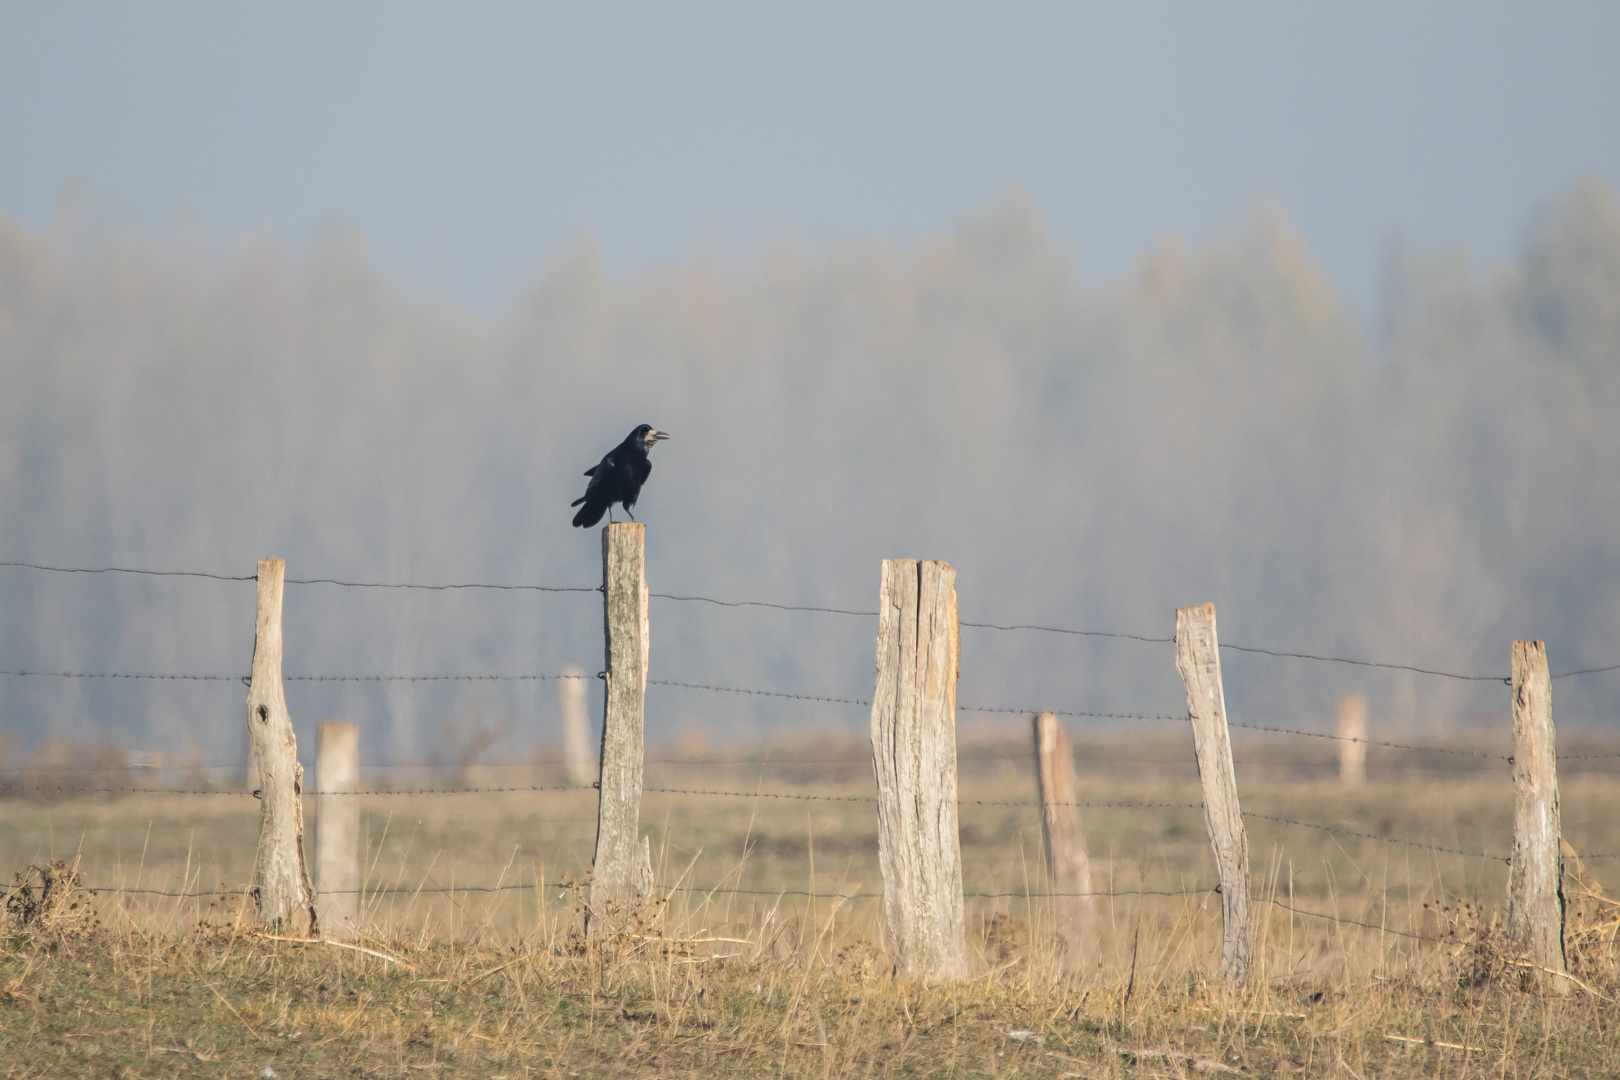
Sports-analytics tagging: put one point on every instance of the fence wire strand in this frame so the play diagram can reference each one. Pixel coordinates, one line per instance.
(708, 891)
(801, 797)
(1005, 710)
(1231, 646)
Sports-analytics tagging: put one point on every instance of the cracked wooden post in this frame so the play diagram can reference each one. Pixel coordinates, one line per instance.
(578, 768)
(1352, 733)
(914, 759)
(1066, 856)
(1199, 662)
(621, 873)
(282, 891)
(1536, 872)
(337, 828)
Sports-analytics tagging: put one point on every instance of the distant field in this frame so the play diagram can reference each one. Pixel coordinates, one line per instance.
(739, 868)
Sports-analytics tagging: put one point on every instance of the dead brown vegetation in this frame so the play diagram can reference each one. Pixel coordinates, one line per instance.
(1372, 959)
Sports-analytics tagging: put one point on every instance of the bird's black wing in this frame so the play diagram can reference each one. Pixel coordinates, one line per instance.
(595, 503)
(598, 473)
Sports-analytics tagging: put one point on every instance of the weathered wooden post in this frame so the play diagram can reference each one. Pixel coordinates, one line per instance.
(1065, 842)
(1352, 733)
(281, 885)
(621, 872)
(578, 768)
(914, 759)
(1199, 662)
(1536, 872)
(337, 827)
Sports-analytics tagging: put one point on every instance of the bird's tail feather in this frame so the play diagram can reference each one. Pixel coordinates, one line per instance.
(577, 501)
(589, 515)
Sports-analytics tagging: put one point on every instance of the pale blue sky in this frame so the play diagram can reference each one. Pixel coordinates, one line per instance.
(467, 141)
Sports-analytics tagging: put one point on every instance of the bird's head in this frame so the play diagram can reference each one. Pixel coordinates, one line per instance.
(650, 435)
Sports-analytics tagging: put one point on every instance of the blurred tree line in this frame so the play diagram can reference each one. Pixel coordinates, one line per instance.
(1087, 454)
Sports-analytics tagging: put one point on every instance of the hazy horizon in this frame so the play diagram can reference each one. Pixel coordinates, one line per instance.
(1215, 426)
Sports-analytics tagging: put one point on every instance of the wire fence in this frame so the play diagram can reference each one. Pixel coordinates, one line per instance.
(714, 688)
(1121, 635)
(1002, 710)
(1336, 918)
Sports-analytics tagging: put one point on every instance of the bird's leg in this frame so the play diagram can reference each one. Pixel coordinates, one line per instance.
(610, 515)
(628, 511)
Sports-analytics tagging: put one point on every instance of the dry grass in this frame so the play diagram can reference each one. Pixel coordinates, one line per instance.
(768, 981)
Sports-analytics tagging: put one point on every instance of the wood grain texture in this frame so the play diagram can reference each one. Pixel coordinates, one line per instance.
(337, 828)
(1536, 872)
(1199, 663)
(1066, 856)
(282, 890)
(914, 760)
(617, 872)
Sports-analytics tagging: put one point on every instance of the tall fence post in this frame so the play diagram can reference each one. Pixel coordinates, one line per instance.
(1199, 662)
(1536, 872)
(1352, 733)
(577, 764)
(337, 828)
(281, 887)
(914, 760)
(621, 872)
(1065, 841)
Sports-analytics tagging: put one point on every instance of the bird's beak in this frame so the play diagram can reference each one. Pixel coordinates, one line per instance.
(658, 436)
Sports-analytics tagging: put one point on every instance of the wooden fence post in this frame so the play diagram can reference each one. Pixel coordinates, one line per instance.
(1065, 841)
(621, 873)
(1199, 662)
(1352, 732)
(914, 759)
(337, 828)
(281, 887)
(1536, 873)
(578, 768)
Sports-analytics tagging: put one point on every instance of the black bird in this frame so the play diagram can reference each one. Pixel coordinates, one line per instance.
(618, 477)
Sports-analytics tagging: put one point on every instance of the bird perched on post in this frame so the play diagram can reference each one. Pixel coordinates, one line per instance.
(618, 477)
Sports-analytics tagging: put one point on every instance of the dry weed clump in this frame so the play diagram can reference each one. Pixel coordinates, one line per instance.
(1591, 925)
(47, 903)
(1480, 958)
(1006, 940)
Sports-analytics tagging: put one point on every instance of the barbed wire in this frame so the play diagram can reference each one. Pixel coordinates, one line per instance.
(1586, 671)
(1074, 633)
(126, 570)
(124, 675)
(819, 698)
(784, 761)
(1339, 830)
(866, 703)
(1349, 922)
(761, 604)
(446, 588)
(1232, 646)
(802, 797)
(501, 887)
(1368, 742)
(1359, 663)
(707, 890)
(1025, 711)
(427, 678)
(757, 693)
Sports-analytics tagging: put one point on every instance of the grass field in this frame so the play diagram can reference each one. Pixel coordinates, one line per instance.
(1374, 958)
